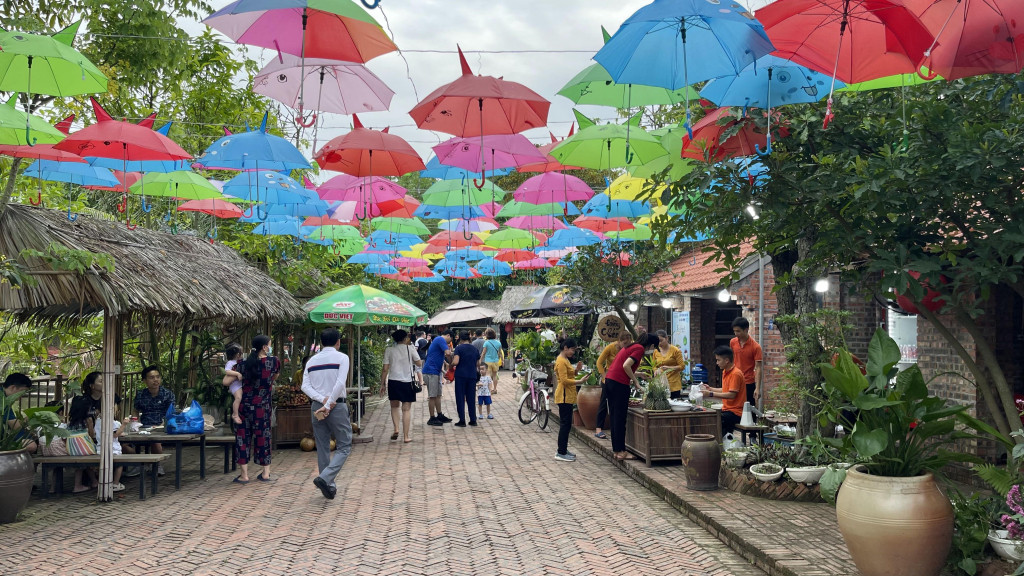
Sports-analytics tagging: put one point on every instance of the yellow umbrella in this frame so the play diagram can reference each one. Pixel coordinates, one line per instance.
(627, 187)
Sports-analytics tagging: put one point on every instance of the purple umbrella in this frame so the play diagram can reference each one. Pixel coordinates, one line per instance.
(491, 152)
(553, 187)
(328, 85)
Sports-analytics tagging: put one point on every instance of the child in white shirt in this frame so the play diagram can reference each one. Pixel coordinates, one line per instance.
(483, 391)
(233, 379)
(115, 446)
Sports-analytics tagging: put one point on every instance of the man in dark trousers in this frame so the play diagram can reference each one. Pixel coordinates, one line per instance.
(323, 381)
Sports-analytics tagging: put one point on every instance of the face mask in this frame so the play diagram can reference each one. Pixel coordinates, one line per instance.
(270, 350)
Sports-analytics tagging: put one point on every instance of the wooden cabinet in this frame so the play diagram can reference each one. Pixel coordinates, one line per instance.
(655, 436)
(293, 424)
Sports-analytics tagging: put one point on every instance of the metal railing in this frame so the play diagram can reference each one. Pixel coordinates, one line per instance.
(50, 388)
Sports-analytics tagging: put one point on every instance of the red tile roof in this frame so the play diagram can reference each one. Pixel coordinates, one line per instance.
(689, 273)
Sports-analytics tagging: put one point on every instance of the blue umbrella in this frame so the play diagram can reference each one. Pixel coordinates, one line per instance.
(290, 227)
(437, 170)
(651, 46)
(391, 241)
(602, 206)
(370, 258)
(380, 269)
(309, 209)
(433, 211)
(72, 173)
(571, 237)
(465, 255)
(492, 267)
(429, 279)
(269, 187)
(254, 150)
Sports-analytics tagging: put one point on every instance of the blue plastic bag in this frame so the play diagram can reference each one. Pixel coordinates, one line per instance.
(189, 421)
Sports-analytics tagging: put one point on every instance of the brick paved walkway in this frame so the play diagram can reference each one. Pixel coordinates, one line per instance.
(489, 500)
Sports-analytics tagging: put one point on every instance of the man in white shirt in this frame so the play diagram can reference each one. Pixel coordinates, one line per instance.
(323, 381)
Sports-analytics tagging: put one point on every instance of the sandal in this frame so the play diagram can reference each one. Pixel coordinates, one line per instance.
(601, 435)
(394, 436)
(262, 479)
(626, 457)
(238, 480)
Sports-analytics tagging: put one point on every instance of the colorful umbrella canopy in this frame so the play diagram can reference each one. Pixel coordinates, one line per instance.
(608, 145)
(550, 163)
(401, 208)
(70, 172)
(627, 187)
(374, 189)
(325, 85)
(972, 37)
(434, 278)
(897, 81)
(603, 225)
(491, 209)
(411, 263)
(707, 141)
(454, 240)
(490, 152)
(381, 269)
(269, 187)
(39, 64)
(311, 208)
(552, 187)
(462, 211)
(574, 236)
(638, 232)
(387, 241)
(363, 306)
(125, 180)
(142, 165)
(370, 258)
(549, 301)
(464, 255)
(677, 166)
(514, 239)
(38, 152)
(533, 264)
(458, 193)
(473, 225)
(335, 29)
(365, 152)
(435, 169)
(286, 227)
(536, 223)
(413, 226)
(13, 132)
(184, 185)
(108, 138)
(336, 233)
(213, 206)
(328, 221)
(480, 105)
(515, 209)
(767, 83)
(493, 267)
(675, 43)
(252, 150)
(344, 211)
(602, 206)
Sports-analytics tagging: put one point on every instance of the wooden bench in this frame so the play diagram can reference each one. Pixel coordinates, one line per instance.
(59, 463)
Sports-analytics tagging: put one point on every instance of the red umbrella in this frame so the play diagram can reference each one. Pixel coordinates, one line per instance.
(40, 152)
(419, 272)
(127, 180)
(450, 239)
(400, 277)
(109, 138)
(972, 37)
(603, 225)
(401, 208)
(213, 207)
(478, 105)
(365, 152)
(708, 132)
(551, 164)
(853, 41)
(511, 255)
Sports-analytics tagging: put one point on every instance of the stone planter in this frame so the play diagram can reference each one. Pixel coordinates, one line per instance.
(16, 474)
(806, 474)
(1006, 548)
(767, 472)
(588, 402)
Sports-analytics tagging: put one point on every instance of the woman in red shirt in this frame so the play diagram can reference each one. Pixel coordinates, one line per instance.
(617, 381)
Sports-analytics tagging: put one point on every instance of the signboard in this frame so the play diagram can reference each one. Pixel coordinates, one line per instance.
(681, 332)
(609, 328)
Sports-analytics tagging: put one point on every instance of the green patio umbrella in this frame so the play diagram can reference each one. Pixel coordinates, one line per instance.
(181, 184)
(638, 232)
(672, 140)
(607, 146)
(12, 127)
(897, 81)
(400, 225)
(511, 238)
(337, 233)
(461, 193)
(514, 208)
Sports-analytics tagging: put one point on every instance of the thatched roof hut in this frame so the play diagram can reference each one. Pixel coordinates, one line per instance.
(154, 273)
(512, 296)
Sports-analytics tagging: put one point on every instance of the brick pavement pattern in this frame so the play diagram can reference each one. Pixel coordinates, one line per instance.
(489, 500)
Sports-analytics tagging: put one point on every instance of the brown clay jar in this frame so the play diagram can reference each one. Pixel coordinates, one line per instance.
(702, 460)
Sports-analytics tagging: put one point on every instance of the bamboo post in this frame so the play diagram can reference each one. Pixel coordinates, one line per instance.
(111, 328)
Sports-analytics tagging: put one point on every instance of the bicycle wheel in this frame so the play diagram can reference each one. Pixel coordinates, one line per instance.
(543, 412)
(527, 412)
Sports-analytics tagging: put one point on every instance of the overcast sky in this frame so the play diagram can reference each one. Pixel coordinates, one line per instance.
(498, 25)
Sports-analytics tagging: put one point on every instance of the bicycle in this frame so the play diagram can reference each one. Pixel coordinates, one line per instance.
(534, 405)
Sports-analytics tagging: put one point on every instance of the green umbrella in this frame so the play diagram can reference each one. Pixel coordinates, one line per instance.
(400, 225)
(38, 64)
(639, 232)
(181, 184)
(511, 238)
(672, 140)
(594, 86)
(348, 247)
(515, 208)
(337, 233)
(897, 81)
(608, 145)
(12, 128)
(461, 193)
(361, 305)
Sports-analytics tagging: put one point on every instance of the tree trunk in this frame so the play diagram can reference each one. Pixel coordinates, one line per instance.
(5, 197)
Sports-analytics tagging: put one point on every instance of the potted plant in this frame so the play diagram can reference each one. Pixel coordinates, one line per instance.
(16, 469)
(1009, 542)
(736, 457)
(810, 460)
(767, 471)
(890, 509)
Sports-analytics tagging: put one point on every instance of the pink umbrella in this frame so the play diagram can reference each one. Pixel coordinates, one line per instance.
(552, 187)
(213, 207)
(534, 264)
(490, 208)
(345, 211)
(550, 163)
(536, 223)
(489, 152)
(345, 187)
(328, 85)
(407, 262)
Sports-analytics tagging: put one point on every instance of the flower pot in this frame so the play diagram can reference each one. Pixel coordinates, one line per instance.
(702, 459)
(16, 474)
(735, 458)
(894, 526)
(767, 472)
(588, 401)
(809, 475)
(1006, 548)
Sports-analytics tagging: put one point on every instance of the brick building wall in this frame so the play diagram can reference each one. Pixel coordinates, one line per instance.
(745, 293)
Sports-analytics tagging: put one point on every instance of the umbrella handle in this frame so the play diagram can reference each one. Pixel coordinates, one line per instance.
(303, 122)
(38, 201)
(146, 207)
(247, 213)
(212, 235)
(122, 206)
(71, 217)
(629, 154)
(479, 185)
(924, 63)
(128, 223)
(828, 114)
(371, 6)
(767, 148)
(29, 141)
(261, 214)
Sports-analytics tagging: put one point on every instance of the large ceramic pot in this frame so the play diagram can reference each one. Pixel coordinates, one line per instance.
(895, 526)
(16, 473)
(588, 401)
(702, 460)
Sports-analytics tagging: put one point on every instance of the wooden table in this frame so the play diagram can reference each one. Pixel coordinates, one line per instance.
(659, 435)
(756, 431)
(178, 440)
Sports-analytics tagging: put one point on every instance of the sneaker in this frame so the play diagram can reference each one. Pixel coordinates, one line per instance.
(132, 472)
(490, 416)
(461, 424)
(472, 423)
(160, 470)
(444, 419)
(324, 487)
(565, 457)
(571, 454)
(118, 487)
(435, 422)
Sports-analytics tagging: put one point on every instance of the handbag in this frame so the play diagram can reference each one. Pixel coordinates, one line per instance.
(56, 446)
(80, 444)
(416, 386)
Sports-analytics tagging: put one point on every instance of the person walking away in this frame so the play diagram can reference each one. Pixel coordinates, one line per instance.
(465, 361)
(478, 341)
(324, 381)
(252, 438)
(669, 361)
(152, 404)
(400, 362)
(565, 396)
(433, 367)
(483, 392)
(233, 379)
(604, 362)
(732, 391)
(621, 375)
(494, 355)
(422, 344)
(747, 355)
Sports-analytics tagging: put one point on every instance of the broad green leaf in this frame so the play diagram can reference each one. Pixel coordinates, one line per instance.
(830, 482)
(850, 388)
(883, 354)
(939, 428)
(869, 443)
(910, 383)
(867, 402)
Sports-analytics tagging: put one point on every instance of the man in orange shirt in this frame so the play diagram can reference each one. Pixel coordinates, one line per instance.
(731, 392)
(747, 354)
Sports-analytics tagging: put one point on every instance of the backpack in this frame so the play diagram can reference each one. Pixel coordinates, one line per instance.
(422, 345)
